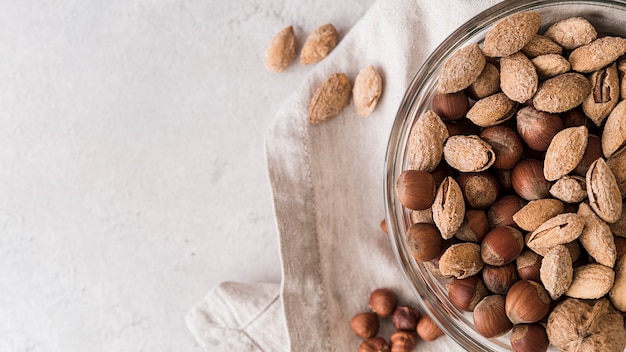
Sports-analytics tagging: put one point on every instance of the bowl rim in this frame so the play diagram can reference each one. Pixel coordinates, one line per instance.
(421, 83)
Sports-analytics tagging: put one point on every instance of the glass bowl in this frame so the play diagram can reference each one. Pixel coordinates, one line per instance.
(607, 16)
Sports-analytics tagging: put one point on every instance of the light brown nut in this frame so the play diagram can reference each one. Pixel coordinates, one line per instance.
(448, 208)
(422, 216)
(572, 32)
(614, 135)
(281, 50)
(461, 69)
(518, 77)
(550, 65)
(619, 227)
(565, 152)
(330, 98)
(617, 163)
(536, 212)
(368, 86)
(591, 281)
(511, 34)
(618, 292)
(319, 44)
(461, 260)
(492, 110)
(468, 153)
(425, 144)
(486, 84)
(541, 45)
(578, 325)
(602, 191)
(570, 189)
(561, 229)
(621, 67)
(556, 271)
(597, 54)
(561, 93)
(597, 238)
(604, 94)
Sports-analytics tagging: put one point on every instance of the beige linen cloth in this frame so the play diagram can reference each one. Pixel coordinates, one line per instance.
(327, 184)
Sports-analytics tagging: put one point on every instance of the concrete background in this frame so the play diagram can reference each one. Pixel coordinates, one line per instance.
(132, 171)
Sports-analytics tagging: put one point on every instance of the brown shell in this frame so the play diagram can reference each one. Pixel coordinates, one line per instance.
(565, 152)
(597, 54)
(603, 193)
(511, 33)
(614, 135)
(556, 271)
(550, 65)
(461, 69)
(448, 208)
(461, 260)
(572, 32)
(492, 110)
(281, 50)
(597, 238)
(319, 44)
(561, 93)
(425, 143)
(468, 153)
(541, 45)
(604, 94)
(330, 98)
(536, 212)
(518, 77)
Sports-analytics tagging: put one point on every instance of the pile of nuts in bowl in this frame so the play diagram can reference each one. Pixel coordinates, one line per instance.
(516, 179)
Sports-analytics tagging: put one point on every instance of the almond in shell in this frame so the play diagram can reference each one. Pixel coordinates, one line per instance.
(448, 208)
(536, 212)
(597, 54)
(604, 94)
(565, 152)
(541, 45)
(570, 189)
(492, 110)
(591, 281)
(597, 238)
(511, 33)
(561, 229)
(368, 86)
(562, 93)
(550, 65)
(330, 98)
(319, 44)
(617, 164)
(281, 51)
(461, 69)
(556, 271)
(572, 32)
(486, 84)
(518, 77)
(425, 144)
(603, 193)
(618, 291)
(468, 153)
(614, 135)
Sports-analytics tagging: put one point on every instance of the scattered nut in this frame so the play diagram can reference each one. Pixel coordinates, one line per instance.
(518, 77)
(536, 212)
(604, 94)
(424, 241)
(550, 65)
(281, 51)
(448, 208)
(493, 110)
(468, 153)
(405, 318)
(597, 54)
(603, 193)
(415, 189)
(499, 279)
(330, 98)
(451, 106)
(383, 302)
(425, 144)
(319, 44)
(528, 264)
(591, 281)
(537, 128)
(565, 152)
(556, 271)
(507, 146)
(374, 344)
(365, 325)
(501, 246)
(570, 189)
(561, 93)
(596, 237)
(502, 211)
(486, 84)
(368, 86)
(541, 45)
(529, 181)
(427, 329)
(475, 226)
(479, 189)
(561, 229)
(572, 32)
(403, 341)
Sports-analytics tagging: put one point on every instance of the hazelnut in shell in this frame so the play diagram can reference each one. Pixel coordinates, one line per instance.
(537, 128)
(501, 245)
(451, 106)
(403, 341)
(527, 302)
(365, 325)
(415, 189)
(499, 279)
(506, 144)
(529, 338)
(480, 189)
(427, 329)
(374, 344)
(502, 211)
(466, 293)
(490, 318)
(405, 318)
(528, 180)
(424, 241)
(474, 227)
(383, 302)
(528, 264)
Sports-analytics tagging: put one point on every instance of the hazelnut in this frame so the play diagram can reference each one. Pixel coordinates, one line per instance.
(383, 302)
(416, 189)
(576, 118)
(502, 211)
(453, 128)
(537, 127)
(452, 106)
(466, 293)
(529, 338)
(528, 264)
(480, 189)
(490, 318)
(506, 144)
(474, 227)
(499, 279)
(424, 241)
(592, 152)
(374, 344)
(504, 178)
(403, 341)
(365, 325)
(405, 318)
(501, 246)
(528, 180)
(427, 329)
(620, 247)
(527, 302)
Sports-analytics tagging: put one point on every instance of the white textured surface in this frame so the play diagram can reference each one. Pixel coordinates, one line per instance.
(132, 176)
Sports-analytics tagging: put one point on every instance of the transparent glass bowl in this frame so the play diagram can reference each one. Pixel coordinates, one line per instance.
(607, 16)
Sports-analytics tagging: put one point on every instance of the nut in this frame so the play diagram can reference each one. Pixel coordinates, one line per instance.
(570, 189)
(620, 248)
(319, 44)
(592, 152)
(448, 208)
(536, 212)
(474, 227)
(561, 229)
(614, 136)
(597, 54)
(541, 45)
(466, 293)
(486, 84)
(507, 146)
(529, 181)
(572, 32)
(565, 152)
(579, 325)
(511, 34)
(591, 281)
(427, 329)
(405, 318)
(617, 294)
(501, 245)
(480, 190)
(461, 260)
(330, 98)
(383, 302)
(504, 177)
(461, 69)
(451, 106)
(490, 318)
(561, 93)
(425, 144)
(619, 227)
(537, 128)
(374, 344)
(365, 325)
(281, 50)
(502, 211)
(403, 341)
(527, 302)
(468, 153)
(603, 193)
(368, 86)
(518, 77)
(528, 264)
(596, 237)
(529, 338)
(424, 241)
(415, 189)
(617, 164)
(550, 65)
(422, 216)
(499, 279)
(492, 110)
(604, 94)
(556, 271)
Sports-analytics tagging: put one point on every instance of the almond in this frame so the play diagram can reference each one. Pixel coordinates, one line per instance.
(425, 144)
(511, 34)
(468, 153)
(603, 193)
(572, 32)
(448, 208)
(565, 152)
(614, 135)
(536, 212)
(556, 271)
(596, 237)
(591, 281)
(597, 54)
(550, 65)
(604, 94)
(368, 86)
(617, 164)
(561, 93)
(281, 51)
(319, 44)
(541, 45)
(492, 110)
(518, 77)
(330, 98)
(570, 189)
(561, 229)
(461, 69)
